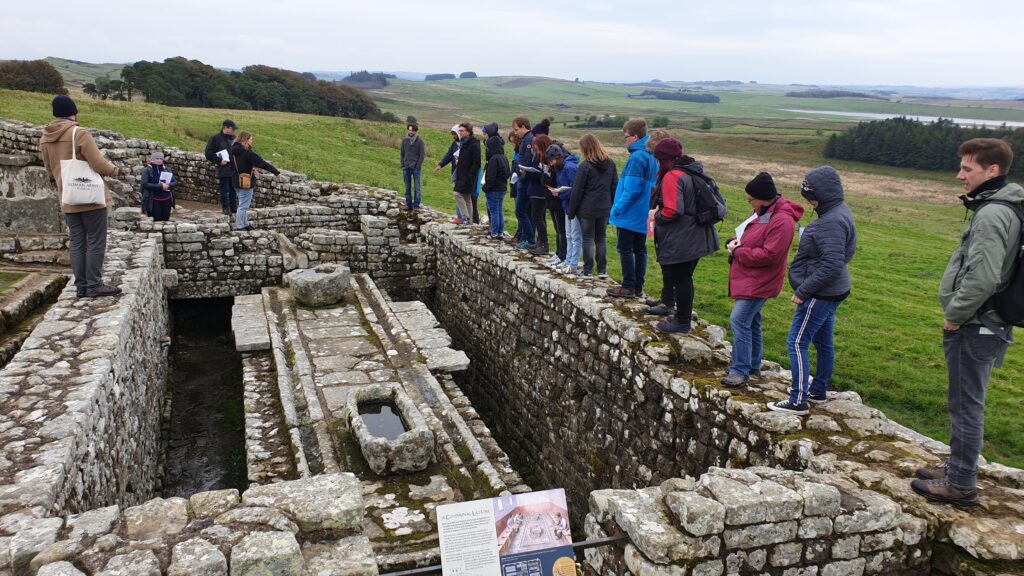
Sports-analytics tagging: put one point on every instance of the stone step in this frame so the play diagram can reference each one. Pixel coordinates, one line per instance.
(249, 324)
(27, 295)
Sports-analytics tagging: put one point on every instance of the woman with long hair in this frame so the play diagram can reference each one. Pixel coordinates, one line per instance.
(591, 201)
(246, 162)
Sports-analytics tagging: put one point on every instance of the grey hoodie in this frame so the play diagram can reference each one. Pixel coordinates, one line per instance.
(819, 269)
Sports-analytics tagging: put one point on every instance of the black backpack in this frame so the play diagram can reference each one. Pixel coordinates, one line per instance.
(1008, 301)
(710, 208)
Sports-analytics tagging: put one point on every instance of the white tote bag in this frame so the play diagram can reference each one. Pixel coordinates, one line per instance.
(80, 184)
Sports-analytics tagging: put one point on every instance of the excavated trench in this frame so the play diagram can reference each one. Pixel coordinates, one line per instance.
(204, 420)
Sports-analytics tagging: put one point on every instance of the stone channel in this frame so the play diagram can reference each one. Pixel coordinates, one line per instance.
(581, 393)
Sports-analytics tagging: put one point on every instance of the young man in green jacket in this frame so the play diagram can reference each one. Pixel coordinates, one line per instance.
(974, 337)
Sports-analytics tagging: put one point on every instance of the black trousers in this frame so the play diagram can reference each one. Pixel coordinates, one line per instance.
(593, 232)
(538, 207)
(558, 219)
(679, 284)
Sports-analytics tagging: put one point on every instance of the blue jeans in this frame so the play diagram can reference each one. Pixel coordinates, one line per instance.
(244, 202)
(573, 242)
(526, 231)
(632, 248)
(496, 212)
(813, 322)
(745, 323)
(410, 174)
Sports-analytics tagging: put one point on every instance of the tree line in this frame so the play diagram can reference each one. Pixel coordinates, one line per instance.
(31, 76)
(182, 82)
(908, 143)
(832, 94)
(702, 98)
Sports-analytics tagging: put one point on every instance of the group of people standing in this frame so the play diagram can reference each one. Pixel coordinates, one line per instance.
(237, 165)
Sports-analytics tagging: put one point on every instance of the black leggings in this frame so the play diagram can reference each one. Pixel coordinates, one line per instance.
(538, 207)
(558, 219)
(679, 284)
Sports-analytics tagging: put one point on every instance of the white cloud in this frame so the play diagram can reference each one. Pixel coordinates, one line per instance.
(844, 41)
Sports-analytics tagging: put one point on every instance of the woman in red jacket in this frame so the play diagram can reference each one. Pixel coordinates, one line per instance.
(757, 268)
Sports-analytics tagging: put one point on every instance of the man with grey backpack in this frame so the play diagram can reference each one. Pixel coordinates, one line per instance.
(64, 141)
(977, 327)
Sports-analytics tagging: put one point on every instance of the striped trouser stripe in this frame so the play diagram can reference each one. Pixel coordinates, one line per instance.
(801, 369)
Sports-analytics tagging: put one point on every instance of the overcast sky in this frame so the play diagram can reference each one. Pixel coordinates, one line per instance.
(924, 43)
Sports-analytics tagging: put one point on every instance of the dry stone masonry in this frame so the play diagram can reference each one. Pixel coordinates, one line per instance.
(581, 391)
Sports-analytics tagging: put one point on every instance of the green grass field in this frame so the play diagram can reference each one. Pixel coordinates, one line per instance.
(888, 334)
(76, 74)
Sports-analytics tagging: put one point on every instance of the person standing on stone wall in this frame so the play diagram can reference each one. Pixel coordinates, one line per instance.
(87, 223)
(521, 126)
(974, 336)
(513, 140)
(414, 151)
(467, 172)
(157, 193)
(564, 168)
(820, 279)
(217, 148)
(246, 161)
(495, 186)
(452, 157)
(680, 241)
(631, 207)
(757, 270)
(591, 201)
(538, 197)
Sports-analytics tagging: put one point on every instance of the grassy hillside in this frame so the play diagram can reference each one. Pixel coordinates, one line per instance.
(888, 334)
(77, 73)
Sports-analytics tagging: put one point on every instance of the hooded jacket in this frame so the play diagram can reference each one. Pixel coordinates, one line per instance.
(758, 267)
(819, 269)
(593, 190)
(467, 173)
(678, 237)
(985, 257)
(497, 171)
(245, 159)
(633, 191)
(216, 143)
(55, 145)
(414, 151)
(566, 176)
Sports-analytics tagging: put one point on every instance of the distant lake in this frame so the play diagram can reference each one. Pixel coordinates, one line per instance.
(877, 116)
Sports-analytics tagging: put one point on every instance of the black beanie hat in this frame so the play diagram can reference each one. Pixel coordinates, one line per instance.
(762, 187)
(64, 107)
(543, 128)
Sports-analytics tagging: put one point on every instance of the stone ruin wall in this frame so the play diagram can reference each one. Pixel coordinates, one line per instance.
(81, 399)
(583, 393)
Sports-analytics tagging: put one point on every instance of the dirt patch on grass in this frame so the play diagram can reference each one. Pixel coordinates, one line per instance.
(518, 83)
(788, 177)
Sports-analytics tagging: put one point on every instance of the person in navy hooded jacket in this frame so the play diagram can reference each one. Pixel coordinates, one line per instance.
(820, 280)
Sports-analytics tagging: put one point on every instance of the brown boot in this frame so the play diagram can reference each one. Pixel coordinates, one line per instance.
(932, 473)
(941, 491)
(621, 292)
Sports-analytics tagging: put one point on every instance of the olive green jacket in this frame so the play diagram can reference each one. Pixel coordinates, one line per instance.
(985, 257)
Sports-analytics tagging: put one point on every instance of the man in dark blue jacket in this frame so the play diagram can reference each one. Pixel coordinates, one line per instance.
(221, 142)
(821, 281)
(521, 125)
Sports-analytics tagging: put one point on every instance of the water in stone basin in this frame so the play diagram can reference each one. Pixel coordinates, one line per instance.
(382, 419)
(205, 435)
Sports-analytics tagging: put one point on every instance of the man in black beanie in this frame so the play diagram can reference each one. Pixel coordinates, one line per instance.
(87, 223)
(221, 142)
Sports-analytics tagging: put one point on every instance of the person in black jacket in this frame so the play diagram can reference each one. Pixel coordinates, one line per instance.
(157, 195)
(467, 173)
(496, 175)
(221, 141)
(591, 201)
(452, 157)
(245, 161)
